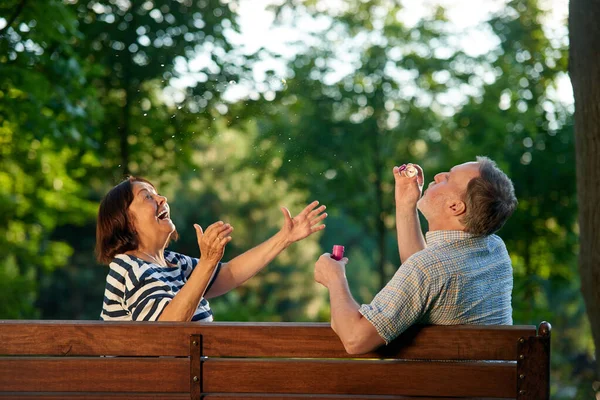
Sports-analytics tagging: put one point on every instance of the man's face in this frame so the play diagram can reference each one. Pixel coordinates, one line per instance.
(446, 189)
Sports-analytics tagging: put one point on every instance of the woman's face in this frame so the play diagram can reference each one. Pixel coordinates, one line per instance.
(151, 214)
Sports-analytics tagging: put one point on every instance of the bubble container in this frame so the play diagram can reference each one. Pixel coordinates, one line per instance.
(337, 252)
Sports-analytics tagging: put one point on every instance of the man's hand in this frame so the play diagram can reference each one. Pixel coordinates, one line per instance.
(408, 190)
(303, 224)
(328, 270)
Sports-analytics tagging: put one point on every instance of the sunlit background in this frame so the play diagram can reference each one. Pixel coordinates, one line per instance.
(234, 108)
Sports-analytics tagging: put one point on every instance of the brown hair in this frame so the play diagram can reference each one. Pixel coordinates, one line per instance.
(490, 199)
(115, 233)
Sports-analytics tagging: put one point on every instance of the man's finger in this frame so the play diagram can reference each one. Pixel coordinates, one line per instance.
(420, 175)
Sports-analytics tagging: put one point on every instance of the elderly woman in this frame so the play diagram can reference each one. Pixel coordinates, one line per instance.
(146, 282)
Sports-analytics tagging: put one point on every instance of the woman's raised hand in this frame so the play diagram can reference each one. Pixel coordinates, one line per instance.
(212, 242)
(303, 224)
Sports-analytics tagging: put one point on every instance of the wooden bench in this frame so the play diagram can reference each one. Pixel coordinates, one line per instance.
(292, 361)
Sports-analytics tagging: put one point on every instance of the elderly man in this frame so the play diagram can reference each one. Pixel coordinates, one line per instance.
(463, 275)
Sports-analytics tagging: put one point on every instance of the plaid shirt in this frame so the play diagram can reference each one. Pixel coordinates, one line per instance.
(458, 279)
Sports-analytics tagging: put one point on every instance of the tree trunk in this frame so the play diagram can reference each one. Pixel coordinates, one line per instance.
(584, 68)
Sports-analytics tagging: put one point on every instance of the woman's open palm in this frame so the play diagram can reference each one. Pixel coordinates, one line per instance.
(304, 224)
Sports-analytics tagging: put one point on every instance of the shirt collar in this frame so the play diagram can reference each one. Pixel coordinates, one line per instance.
(439, 237)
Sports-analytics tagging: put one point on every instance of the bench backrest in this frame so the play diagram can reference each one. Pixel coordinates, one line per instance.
(77, 359)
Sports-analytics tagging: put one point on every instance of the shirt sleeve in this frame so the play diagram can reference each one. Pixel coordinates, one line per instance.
(400, 304)
(147, 298)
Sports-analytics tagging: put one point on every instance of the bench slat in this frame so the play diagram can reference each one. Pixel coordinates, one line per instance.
(392, 377)
(88, 396)
(94, 374)
(250, 340)
(426, 342)
(222, 396)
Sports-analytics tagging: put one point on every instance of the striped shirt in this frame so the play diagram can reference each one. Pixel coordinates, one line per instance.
(458, 279)
(137, 290)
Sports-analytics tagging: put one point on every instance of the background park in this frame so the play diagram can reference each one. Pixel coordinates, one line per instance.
(236, 107)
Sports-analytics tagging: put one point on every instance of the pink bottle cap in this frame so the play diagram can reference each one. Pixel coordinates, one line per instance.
(338, 252)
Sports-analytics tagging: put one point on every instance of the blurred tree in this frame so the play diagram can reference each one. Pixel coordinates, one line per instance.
(46, 108)
(584, 35)
(344, 131)
(138, 47)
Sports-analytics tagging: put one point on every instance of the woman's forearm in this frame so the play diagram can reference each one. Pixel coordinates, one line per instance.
(410, 237)
(185, 303)
(246, 265)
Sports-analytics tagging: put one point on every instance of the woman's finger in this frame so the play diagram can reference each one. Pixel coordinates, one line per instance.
(286, 214)
(213, 226)
(317, 228)
(224, 233)
(199, 232)
(309, 207)
(318, 219)
(317, 211)
(216, 232)
(223, 242)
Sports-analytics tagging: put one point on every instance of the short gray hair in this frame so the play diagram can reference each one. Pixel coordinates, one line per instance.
(490, 199)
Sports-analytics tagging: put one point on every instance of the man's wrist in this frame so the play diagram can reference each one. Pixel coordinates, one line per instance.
(406, 212)
(337, 281)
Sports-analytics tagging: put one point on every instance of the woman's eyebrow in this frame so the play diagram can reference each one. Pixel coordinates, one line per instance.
(143, 190)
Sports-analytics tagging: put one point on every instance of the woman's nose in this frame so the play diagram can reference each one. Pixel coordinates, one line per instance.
(162, 199)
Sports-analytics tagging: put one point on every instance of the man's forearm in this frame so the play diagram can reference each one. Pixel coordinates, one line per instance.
(344, 310)
(410, 237)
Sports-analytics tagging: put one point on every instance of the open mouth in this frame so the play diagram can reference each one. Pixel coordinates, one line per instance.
(163, 215)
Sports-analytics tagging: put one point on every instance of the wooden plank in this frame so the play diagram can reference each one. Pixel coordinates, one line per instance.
(225, 396)
(250, 340)
(94, 374)
(425, 342)
(216, 396)
(391, 377)
(92, 396)
(81, 338)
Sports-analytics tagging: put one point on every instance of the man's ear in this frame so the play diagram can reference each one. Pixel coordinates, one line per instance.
(457, 207)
